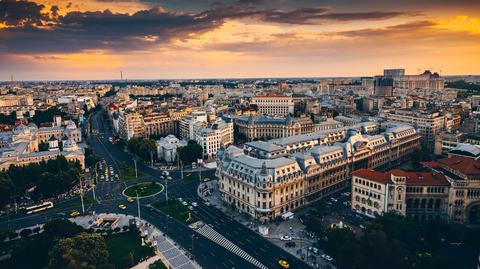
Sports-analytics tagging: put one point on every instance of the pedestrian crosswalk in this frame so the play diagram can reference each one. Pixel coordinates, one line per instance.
(216, 237)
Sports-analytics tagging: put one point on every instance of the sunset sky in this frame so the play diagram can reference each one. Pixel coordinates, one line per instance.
(163, 39)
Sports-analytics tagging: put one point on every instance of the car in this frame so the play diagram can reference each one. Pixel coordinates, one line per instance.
(326, 257)
(283, 263)
(286, 238)
(122, 206)
(207, 203)
(74, 214)
(313, 249)
(333, 200)
(184, 203)
(194, 204)
(130, 200)
(180, 200)
(361, 226)
(190, 207)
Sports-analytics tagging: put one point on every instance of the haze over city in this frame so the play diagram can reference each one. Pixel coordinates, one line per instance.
(95, 39)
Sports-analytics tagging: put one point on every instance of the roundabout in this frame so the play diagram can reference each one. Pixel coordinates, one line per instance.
(144, 190)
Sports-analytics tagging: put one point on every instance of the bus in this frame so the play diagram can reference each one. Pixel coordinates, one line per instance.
(38, 208)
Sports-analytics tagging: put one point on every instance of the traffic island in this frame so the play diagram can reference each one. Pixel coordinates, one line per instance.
(177, 210)
(143, 190)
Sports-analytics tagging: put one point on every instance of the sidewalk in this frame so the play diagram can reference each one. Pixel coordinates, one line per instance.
(145, 264)
(293, 228)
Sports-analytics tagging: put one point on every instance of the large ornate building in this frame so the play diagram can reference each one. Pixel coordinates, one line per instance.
(270, 185)
(449, 191)
(268, 127)
(274, 104)
(21, 146)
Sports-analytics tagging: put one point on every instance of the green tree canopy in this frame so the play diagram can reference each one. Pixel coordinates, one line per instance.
(191, 152)
(60, 228)
(84, 251)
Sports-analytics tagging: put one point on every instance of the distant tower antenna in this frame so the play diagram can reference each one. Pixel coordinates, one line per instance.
(121, 75)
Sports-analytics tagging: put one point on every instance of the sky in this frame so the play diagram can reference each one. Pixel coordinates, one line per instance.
(180, 39)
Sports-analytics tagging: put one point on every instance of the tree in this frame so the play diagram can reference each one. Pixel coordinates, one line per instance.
(60, 228)
(7, 189)
(84, 251)
(144, 148)
(46, 115)
(7, 119)
(191, 152)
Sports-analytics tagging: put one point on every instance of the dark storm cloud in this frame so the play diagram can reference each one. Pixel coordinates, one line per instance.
(77, 31)
(305, 15)
(21, 13)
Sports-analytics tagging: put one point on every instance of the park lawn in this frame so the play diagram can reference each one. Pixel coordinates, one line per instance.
(157, 265)
(122, 246)
(143, 189)
(128, 173)
(176, 210)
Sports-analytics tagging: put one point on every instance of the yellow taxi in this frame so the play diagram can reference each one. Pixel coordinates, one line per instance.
(74, 214)
(130, 200)
(283, 263)
(122, 206)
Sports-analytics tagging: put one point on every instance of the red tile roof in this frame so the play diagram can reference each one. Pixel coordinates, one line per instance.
(426, 178)
(275, 95)
(413, 178)
(462, 164)
(430, 164)
(372, 175)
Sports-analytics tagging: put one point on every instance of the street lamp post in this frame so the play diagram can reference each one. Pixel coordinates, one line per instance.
(138, 205)
(135, 163)
(193, 237)
(81, 196)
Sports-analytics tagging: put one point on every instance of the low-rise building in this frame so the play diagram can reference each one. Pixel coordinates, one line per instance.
(167, 148)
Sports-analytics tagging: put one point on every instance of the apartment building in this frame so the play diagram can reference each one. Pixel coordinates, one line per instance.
(268, 127)
(274, 104)
(157, 124)
(270, 184)
(130, 124)
(212, 138)
(134, 124)
(428, 124)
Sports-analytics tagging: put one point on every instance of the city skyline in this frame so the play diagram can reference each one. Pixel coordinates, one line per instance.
(96, 39)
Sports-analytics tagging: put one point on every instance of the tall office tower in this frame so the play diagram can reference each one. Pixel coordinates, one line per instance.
(383, 86)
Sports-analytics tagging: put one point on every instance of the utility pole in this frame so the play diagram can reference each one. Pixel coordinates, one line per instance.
(151, 157)
(93, 191)
(166, 190)
(135, 163)
(181, 169)
(193, 237)
(138, 205)
(81, 196)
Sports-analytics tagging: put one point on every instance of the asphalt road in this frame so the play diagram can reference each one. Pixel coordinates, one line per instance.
(206, 252)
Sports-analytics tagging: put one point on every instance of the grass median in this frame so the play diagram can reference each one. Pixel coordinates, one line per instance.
(143, 189)
(128, 173)
(177, 210)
